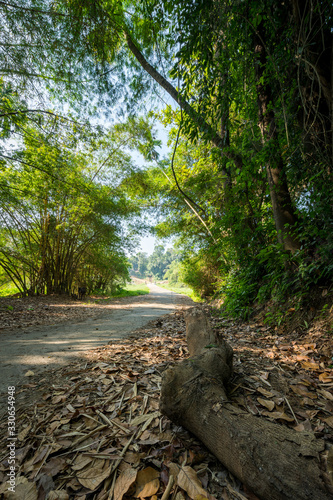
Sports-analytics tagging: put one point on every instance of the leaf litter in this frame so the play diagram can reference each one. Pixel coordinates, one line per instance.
(95, 431)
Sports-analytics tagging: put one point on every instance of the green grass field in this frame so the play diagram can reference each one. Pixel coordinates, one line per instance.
(179, 288)
(132, 290)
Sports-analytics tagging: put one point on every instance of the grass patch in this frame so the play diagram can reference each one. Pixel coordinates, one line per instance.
(8, 289)
(132, 290)
(180, 288)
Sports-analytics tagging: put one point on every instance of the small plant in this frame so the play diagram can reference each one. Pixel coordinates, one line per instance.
(10, 308)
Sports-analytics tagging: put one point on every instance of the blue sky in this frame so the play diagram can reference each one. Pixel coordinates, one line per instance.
(147, 243)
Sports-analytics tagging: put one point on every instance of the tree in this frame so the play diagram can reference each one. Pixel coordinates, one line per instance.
(251, 80)
(58, 215)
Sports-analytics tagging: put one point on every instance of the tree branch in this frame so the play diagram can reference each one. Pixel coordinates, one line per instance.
(204, 127)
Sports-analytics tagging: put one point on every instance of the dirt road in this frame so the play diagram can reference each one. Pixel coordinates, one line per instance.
(45, 347)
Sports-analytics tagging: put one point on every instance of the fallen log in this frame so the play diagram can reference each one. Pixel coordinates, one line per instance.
(275, 462)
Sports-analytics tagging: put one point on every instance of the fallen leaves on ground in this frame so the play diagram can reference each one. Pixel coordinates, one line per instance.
(24, 312)
(96, 431)
(286, 377)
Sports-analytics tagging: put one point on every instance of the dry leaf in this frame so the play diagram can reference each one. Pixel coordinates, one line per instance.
(301, 390)
(265, 392)
(106, 381)
(326, 394)
(29, 373)
(81, 462)
(278, 415)
(174, 470)
(310, 365)
(147, 483)
(264, 380)
(58, 495)
(329, 421)
(188, 481)
(24, 490)
(91, 478)
(40, 455)
(123, 483)
(326, 377)
(304, 426)
(58, 399)
(143, 418)
(268, 404)
(53, 466)
(179, 496)
(23, 434)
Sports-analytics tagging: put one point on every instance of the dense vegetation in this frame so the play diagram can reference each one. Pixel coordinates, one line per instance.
(248, 186)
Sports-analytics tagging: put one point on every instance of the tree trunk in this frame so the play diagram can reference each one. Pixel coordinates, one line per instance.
(200, 120)
(283, 211)
(275, 462)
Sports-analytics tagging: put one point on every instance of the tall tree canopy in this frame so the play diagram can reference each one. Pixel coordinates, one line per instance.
(253, 84)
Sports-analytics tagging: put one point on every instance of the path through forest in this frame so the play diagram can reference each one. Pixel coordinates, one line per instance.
(48, 346)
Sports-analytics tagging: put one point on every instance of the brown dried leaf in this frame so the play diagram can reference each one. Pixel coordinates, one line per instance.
(81, 461)
(265, 392)
(53, 466)
(24, 490)
(23, 434)
(326, 394)
(58, 495)
(329, 421)
(326, 377)
(268, 404)
(147, 483)
(106, 381)
(310, 365)
(123, 483)
(278, 415)
(143, 418)
(174, 470)
(59, 399)
(91, 478)
(40, 455)
(301, 390)
(188, 481)
(304, 426)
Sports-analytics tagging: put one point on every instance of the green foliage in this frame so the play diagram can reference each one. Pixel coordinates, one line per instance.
(173, 272)
(129, 290)
(249, 193)
(200, 274)
(132, 291)
(182, 289)
(155, 265)
(61, 217)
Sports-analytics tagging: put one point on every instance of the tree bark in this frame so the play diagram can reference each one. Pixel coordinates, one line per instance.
(273, 461)
(283, 210)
